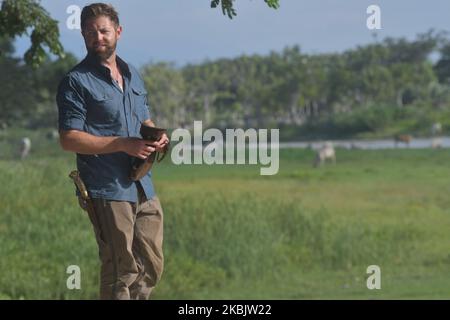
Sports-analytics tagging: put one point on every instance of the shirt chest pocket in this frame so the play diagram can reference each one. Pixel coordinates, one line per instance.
(104, 108)
(140, 109)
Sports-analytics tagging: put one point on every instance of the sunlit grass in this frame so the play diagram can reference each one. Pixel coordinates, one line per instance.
(230, 233)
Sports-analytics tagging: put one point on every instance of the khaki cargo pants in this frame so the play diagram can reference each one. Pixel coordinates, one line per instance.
(129, 236)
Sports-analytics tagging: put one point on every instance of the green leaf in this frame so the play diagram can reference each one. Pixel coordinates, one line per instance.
(229, 10)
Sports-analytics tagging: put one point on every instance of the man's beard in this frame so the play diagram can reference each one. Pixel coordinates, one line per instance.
(103, 55)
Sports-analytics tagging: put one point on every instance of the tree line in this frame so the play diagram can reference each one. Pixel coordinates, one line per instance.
(396, 84)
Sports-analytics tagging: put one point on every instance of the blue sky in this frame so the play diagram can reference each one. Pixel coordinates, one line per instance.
(189, 31)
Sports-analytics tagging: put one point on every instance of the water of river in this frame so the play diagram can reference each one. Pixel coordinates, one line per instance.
(416, 143)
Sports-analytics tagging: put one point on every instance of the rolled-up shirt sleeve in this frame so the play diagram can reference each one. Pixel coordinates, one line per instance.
(71, 106)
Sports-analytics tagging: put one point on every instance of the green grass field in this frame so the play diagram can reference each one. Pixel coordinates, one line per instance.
(232, 234)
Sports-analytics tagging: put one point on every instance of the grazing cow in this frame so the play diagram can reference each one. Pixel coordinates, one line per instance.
(436, 129)
(402, 138)
(25, 146)
(325, 153)
(436, 143)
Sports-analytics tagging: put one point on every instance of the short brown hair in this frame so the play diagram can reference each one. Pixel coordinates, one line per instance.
(95, 10)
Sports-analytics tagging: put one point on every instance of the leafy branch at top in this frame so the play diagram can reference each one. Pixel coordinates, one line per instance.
(229, 10)
(20, 17)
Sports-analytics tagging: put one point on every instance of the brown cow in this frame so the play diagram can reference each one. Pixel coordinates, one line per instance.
(403, 138)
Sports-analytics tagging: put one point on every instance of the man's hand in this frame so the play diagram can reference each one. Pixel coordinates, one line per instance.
(138, 147)
(161, 143)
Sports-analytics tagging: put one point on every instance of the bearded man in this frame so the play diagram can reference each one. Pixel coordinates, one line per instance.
(102, 103)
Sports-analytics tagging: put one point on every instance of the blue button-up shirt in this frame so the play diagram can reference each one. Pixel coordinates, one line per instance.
(89, 100)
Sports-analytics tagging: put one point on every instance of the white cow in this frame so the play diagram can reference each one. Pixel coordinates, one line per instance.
(326, 152)
(436, 143)
(436, 129)
(25, 146)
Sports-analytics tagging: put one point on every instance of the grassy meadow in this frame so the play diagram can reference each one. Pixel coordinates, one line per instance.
(230, 233)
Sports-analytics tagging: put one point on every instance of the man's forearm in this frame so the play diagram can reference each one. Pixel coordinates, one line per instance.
(85, 143)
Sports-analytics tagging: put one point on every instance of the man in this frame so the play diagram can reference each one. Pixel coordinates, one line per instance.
(102, 102)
